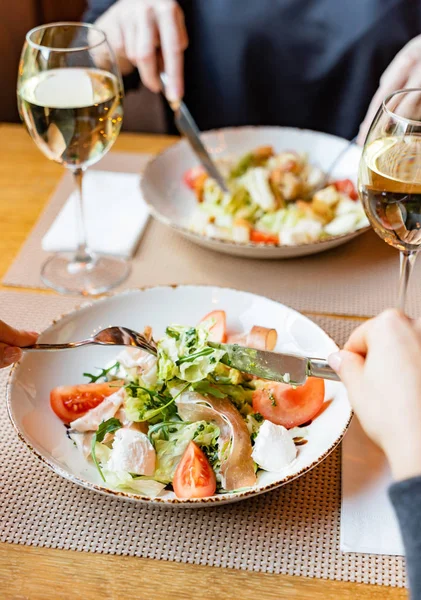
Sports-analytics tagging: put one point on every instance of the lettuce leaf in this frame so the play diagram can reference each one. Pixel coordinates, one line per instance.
(183, 353)
(171, 440)
(139, 485)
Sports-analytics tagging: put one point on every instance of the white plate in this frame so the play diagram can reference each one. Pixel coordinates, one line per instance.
(32, 379)
(172, 203)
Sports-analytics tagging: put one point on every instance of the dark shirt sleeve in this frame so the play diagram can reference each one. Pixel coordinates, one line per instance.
(96, 8)
(406, 499)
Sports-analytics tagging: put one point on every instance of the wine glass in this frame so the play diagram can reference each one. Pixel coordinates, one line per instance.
(390, 178)
(70, 96)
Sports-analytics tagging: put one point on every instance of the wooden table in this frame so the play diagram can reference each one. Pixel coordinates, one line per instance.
(27, 180)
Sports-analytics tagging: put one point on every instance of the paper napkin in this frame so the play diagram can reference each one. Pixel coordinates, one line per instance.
(368, 521)
(115, 215)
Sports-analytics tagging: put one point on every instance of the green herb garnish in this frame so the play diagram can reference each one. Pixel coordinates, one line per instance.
(192, 357)
(103, 374)
(105, 427)
(172, 333)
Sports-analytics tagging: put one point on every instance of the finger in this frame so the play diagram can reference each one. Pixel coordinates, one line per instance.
(147, 42)
(390, 323)
(9, 355)
(349, 367)
(358, 341)
(173, 38)
(409, 105)
(13, 337)
(417, 326)
(394, 78)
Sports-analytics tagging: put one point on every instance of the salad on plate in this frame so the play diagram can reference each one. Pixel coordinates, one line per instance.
(273, 199)
(183, 420)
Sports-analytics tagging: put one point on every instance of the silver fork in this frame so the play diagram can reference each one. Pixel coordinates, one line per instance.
(111, 336)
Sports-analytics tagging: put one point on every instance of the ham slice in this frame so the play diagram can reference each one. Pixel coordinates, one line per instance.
(237, 467)
(104, 411)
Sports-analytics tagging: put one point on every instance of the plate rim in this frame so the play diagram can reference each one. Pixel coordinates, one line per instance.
(231, 243)
(219, 499)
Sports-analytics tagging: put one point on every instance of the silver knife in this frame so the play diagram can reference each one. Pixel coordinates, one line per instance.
(187, 127)
(285, 368)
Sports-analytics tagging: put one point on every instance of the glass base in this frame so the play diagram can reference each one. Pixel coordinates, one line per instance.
(94, 275)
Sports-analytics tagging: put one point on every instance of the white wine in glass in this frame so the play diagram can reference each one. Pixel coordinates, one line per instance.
(70, 98)
(390, 178)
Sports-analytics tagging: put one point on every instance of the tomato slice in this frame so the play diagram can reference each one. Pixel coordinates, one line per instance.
(284, 405)
(194, 477)
(70, 402)
(259, 237)
(218, 331)
(192, 174)
(346, 186)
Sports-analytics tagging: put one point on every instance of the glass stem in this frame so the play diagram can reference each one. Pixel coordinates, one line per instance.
(83, 254)
(407, 261)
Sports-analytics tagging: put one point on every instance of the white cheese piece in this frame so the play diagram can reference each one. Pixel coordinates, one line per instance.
(342, 224)
(314, 176)
(362, 222)
(241, 234)
(256, 183)
(135, 362)
(305, 231)
(224, 221)
(328, 195)
(132, 452)
(347, 206)
(104, 411)
(273, 448)
(217, 232)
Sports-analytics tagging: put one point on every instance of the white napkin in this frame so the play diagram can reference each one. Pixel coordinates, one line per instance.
(368, 521)
(115, 215)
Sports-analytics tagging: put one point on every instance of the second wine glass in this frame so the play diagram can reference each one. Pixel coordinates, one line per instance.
(70, 97)
(390, 178)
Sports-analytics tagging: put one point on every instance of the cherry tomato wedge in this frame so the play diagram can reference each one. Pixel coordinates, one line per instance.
(259, 237)
(346, 186)
(284, 405)
(192, 174)
(218, 331)
(70, 402)
(194, 477)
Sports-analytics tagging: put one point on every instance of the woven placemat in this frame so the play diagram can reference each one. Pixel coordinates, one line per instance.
(359, 278)
(293, 530)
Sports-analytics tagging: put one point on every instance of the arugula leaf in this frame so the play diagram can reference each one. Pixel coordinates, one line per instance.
(166, 427)
(103, 374)
(205, 388)
(172, 333)
(105, 427)
(192, 357)
(144, 404)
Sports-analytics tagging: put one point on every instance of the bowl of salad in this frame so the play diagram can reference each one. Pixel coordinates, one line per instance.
(278, 205)
(180, 428)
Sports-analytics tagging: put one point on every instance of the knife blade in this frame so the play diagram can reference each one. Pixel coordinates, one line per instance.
(275, 366)
(186, 125)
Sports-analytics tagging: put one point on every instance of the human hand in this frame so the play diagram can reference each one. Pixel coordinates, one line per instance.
(137, 29)
(11, 340)
(403, 72)
(380, 367)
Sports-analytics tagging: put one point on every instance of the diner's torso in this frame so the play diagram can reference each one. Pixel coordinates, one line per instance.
(304, 63)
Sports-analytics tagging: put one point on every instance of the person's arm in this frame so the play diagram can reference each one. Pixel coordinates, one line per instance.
(11, 341)
(403, 72)
(380, 367)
